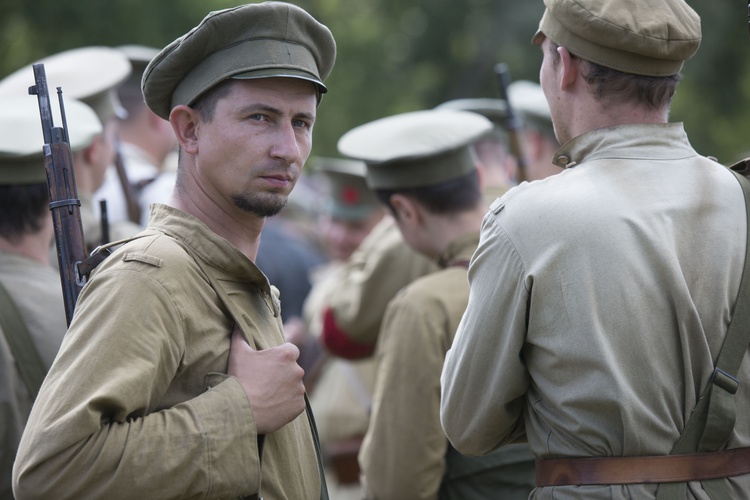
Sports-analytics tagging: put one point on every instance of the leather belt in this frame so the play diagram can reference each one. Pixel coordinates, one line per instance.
(633, 470)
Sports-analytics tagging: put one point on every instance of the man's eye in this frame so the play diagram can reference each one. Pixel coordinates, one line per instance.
(257, 117)
(301, 123)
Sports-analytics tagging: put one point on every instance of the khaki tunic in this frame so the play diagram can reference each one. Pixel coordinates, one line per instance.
(37, 294)
(138, 403)
(381, 266)
(599, 298)
(404, 452)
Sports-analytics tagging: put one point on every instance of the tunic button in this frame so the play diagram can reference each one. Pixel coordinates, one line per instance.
(563, 161)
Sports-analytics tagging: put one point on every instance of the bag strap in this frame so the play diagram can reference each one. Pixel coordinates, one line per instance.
(27, 357)
(228, 304)
(712, 420)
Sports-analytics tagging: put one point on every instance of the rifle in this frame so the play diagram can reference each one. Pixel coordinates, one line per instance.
(131, 198)
(512, 123)
(64, 203)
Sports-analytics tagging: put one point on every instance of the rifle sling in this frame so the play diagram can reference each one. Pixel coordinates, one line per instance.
(236, 316)
(27, 357)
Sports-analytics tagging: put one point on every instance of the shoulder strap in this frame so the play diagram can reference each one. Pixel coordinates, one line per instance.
(222, 294)
(21, 344)
(712, 420)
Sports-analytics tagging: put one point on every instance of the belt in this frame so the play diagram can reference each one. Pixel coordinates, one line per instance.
(632, 470)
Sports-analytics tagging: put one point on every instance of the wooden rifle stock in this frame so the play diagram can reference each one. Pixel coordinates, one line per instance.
(512, 123)
(64, 202)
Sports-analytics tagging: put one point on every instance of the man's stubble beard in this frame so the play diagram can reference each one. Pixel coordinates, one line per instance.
(260, 204)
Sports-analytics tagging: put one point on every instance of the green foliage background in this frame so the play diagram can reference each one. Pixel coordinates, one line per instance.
(404, 55)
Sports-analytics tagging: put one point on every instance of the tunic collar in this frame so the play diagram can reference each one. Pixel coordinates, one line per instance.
(653, 141)
(459, 251)
(211, 248)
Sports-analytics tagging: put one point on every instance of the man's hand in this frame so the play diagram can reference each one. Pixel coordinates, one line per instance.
(272, 380)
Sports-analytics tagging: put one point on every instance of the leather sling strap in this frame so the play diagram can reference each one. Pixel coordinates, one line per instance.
(708, 428)
(236, 315)
(28, 360)
(637, 470)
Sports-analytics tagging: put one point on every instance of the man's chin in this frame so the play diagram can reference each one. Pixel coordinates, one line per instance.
(261, 205)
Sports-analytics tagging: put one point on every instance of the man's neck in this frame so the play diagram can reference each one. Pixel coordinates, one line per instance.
(241, 229)
(597, 115)
(444, 230)
(34, 246)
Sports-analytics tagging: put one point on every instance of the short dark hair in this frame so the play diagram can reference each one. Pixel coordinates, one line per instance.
(23, 208)
(655, 92)
(449, 197)
(617, 87)
(205, 104)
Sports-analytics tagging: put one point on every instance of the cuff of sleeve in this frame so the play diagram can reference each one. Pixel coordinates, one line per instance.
(228, 426)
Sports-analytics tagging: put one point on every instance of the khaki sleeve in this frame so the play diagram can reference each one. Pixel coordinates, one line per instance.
(484, 380)
(381, 266)
(403, 454)
(99, 428)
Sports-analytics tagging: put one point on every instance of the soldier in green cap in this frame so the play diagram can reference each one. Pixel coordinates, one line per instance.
(384, 263)
(32, 319)
(174, 379)
(599, 300)
(423, 168)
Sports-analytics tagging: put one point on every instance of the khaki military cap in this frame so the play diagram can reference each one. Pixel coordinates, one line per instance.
(139, 57)
(89, 74)
(416, 149)
(642, 37)
(527, 99)
(21, 138)
(349, 196)
(269, 39)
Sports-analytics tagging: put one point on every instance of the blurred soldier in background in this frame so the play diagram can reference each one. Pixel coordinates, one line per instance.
(32, 317)
(92, 75)
(146, 142)
(423, 167)
(384, 264)
(497, 165)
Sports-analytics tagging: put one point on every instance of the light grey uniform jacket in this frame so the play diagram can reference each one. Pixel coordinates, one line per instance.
(599, 300)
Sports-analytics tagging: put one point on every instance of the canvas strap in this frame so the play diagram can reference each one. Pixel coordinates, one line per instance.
(28, 360)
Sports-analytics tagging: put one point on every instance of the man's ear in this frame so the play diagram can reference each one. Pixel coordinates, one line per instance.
(185, 123)
(407, 210)
(569, 67)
